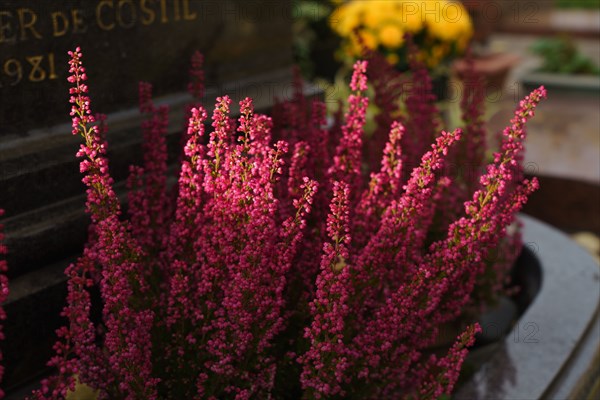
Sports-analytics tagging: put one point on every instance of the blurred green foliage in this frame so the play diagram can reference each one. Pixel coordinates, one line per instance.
(560, 55)
(314, 42)
(587, 4)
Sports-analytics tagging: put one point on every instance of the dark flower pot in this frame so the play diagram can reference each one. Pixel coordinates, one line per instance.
(548, 352)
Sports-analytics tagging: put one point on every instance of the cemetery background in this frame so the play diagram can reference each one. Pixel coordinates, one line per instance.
(248, 49)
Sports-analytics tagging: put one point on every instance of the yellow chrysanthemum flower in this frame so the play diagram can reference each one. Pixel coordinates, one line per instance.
(384, 22)
(346, 18)
(375, 12)
(393, 59)
(368, 39)
(452, 23)
(391, 36)
(339, 21)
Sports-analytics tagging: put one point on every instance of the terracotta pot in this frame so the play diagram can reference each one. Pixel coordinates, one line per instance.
(494, 68)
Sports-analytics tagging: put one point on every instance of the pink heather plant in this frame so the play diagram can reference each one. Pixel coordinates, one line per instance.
(274, 269)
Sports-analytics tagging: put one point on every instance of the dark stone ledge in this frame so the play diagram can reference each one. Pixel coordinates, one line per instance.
(545, 352)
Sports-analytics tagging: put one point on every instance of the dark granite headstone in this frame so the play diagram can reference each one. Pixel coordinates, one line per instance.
(247, 48)
(125, 41)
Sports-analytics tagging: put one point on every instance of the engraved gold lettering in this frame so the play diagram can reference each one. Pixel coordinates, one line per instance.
(102, 24)
(187, 15)
(6, 27)
(120, 13)
(163, 12)
(51, 66)
(148, 15)
(28, 24)
(176, 10)
(79, 25)
(37, 73)
(60, 24)
(13, 69)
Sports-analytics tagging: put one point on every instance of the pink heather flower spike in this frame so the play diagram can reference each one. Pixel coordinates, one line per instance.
(383, 187)
(127, 338)
(422, 124)
(348, 154)
(186, 227)
(438, 383)
(148, 192)
(403, 228)
(325, 362)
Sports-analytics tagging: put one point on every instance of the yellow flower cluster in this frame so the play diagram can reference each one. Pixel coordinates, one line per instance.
(442, 27)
